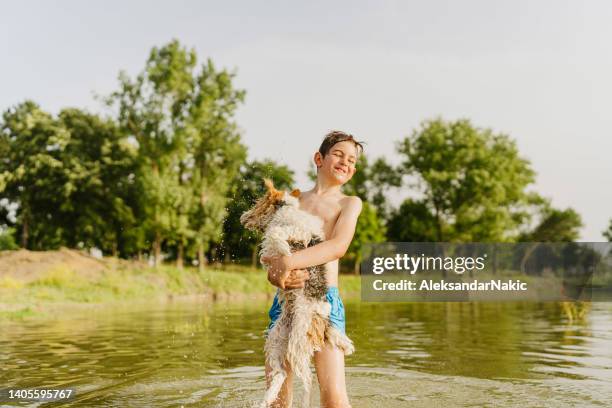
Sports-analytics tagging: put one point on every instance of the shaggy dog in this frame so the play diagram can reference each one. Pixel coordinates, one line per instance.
(303, 325)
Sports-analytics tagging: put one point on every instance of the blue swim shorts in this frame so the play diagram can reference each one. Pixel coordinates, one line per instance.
(336, 316)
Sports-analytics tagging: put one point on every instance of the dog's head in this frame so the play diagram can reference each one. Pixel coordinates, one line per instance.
(258, 217)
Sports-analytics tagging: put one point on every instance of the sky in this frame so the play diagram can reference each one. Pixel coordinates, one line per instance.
(538, 71)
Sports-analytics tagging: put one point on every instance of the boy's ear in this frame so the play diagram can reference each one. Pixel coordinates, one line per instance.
(318, 158)
(296, 192)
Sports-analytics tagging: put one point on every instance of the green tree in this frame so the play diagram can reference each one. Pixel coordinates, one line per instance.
(7, 240)
(97, 184)
(218, 153)
(69, 177)
(412, 222)
(31, 142)
(472, 181)
(247, 187)
(152, 109)
(188, 146)
(369, 229)
(554, 226)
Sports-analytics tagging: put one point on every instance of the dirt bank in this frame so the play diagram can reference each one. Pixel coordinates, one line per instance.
(28, 266)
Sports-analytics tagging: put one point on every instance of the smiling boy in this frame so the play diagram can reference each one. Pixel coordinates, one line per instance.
(335, 161)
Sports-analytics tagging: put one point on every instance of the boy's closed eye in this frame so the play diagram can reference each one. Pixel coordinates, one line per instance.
(341, 155)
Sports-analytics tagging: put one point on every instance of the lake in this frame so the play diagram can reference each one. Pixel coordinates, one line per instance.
(197, 354)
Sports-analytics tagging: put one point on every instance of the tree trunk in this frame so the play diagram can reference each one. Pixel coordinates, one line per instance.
(528, 253)
(356, 266)
(201, 258)
(25, 232)
(179, 256)
(157, 249)
(157, 242)
(438, 223)
(495, 259)
(213, 255)
(443, 250)
(254, 257)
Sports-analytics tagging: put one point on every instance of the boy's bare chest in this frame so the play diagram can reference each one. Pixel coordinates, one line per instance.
(327, 209)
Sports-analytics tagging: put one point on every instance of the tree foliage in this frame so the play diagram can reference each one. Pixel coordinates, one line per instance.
(369, 229)
(473, 182)
(412, 222)
(189, 148)
(167, 173)
(154, 177)
(67, 176)
(32, 143)
(554, 225)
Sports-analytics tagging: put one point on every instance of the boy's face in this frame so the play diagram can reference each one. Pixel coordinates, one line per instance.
(339, 162)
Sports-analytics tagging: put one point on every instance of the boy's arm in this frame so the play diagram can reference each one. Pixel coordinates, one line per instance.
(331, 249)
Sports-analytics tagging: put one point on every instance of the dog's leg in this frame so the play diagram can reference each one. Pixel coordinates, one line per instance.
(278, 374)
(275, 350)
(316, 333)
(336, 338)
(301, 348)
(275, 386)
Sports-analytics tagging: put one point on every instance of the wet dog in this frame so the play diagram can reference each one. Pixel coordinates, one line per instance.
(303, 326)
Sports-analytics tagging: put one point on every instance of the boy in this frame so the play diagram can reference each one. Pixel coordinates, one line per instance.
(335, 163)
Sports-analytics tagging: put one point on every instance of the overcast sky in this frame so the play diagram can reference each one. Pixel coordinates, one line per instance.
(538, 71)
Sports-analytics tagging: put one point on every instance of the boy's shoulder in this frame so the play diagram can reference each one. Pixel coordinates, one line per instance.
(350, 202)
(337, 205)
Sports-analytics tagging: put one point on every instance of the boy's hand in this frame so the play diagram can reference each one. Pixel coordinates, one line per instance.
(296, 279)
(278, 272)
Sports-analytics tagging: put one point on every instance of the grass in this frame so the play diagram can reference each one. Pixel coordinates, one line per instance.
(350, 285)
(62, 284)
(19, 314)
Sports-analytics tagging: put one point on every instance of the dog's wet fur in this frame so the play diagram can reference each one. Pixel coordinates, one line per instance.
(316, 286)
(303, 326)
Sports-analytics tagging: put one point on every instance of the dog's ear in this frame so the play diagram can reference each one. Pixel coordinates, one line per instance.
(273, 194)
(249, 220)
(296, 192)
(246, 219)
(269, 185)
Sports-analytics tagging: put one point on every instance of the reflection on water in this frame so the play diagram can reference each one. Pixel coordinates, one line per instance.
(434, 354)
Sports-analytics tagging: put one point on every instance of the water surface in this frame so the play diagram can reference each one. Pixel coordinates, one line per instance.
(408, 355)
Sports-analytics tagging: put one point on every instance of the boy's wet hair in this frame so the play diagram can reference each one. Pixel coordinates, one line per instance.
(336, 136)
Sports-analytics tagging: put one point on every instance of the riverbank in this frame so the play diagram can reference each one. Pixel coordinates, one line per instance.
(35, 283)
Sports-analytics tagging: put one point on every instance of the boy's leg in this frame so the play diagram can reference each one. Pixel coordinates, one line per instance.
(329, 363)
(285, 396)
